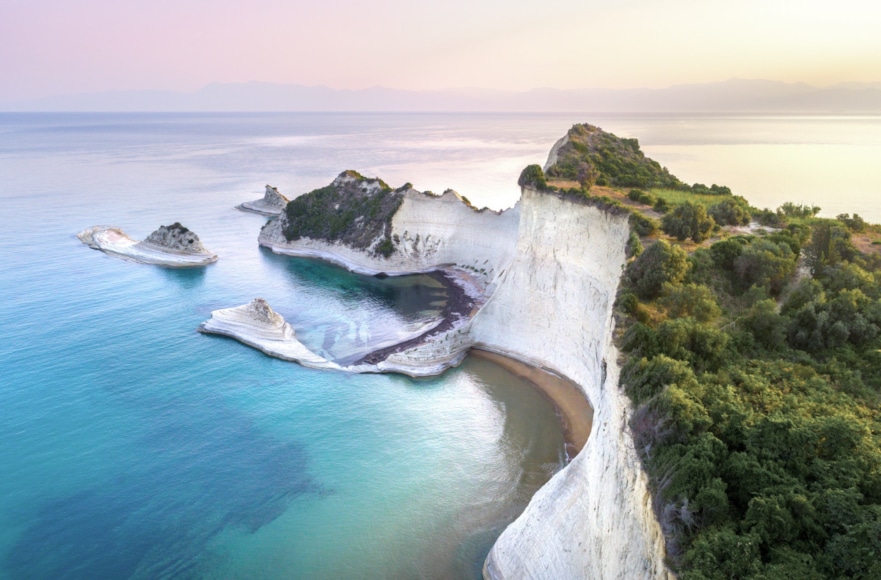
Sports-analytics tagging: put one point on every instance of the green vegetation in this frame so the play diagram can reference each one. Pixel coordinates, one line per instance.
(355, 211)
(592, 155)
(757, 396)
(689, 220)
(660, 264)
(533, 175)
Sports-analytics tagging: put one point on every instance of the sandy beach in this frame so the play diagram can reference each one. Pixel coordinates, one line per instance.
(574, 410)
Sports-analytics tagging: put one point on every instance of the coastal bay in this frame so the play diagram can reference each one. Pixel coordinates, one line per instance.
(153, 372)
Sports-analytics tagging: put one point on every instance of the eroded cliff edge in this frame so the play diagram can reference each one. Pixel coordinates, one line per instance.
(553, 308)
(550, 268)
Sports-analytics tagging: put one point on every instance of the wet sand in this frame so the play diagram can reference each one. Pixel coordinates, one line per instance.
(574, 410)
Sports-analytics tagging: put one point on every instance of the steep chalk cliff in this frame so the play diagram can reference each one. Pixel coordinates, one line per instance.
(553, 308)
(549, 271)
(430, 231)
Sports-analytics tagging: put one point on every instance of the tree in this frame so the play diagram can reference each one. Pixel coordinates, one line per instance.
(692, 300)
(534, 176)
(659, 264)
(726, 252)
(731, 212)
(689, 220)
(586, 175)
(765, 263)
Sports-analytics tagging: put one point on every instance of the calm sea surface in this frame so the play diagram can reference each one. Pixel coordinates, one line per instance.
(132, 446)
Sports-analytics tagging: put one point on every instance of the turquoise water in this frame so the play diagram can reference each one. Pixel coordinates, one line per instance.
(132, 446)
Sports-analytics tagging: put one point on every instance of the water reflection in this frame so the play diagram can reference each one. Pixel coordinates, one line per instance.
(188, 278)
(530, 448)
(344, 316)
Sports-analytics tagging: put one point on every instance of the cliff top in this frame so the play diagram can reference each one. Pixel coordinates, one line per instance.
(353, 209)
(588, 151)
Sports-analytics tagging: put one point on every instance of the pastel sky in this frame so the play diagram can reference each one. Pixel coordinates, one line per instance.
(50, 47)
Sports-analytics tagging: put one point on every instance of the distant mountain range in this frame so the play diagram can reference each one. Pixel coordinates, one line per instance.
(732, 96)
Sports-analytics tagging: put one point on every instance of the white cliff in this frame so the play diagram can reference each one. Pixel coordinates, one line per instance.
(553, 308)
(272, 203)
(171, 246)
(433, 231)
(555, 151)
(548, 270)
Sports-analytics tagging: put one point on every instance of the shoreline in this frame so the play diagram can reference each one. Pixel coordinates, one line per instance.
(460, 305)
(573, 409)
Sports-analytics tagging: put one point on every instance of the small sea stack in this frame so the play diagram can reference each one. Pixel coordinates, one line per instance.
(173, 246)
(257, 325)
(272, 203)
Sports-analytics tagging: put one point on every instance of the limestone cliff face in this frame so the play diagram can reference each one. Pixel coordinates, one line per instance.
(553, 308)
(551, 269)
(430, 231)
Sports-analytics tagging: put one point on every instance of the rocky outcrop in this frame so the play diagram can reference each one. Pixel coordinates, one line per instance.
(175, 238)
(429, 231)
(272, 203)
(258, 325)
(555, 151)
(172, 246)
(548, 271)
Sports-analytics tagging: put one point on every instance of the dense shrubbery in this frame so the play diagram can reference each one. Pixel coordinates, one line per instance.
(533, 176)
(612, 160)
(660, 264)
(712, 190)
(689, 220)
(731, 212)
(641, 196)
(642, 225)
(345, 213)
(758, 422)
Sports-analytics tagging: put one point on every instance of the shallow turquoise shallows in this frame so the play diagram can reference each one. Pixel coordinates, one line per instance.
(133, 446)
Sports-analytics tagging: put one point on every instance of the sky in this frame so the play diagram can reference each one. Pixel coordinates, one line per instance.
(54, 47)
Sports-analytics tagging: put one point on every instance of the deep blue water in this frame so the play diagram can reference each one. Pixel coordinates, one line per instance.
(132, 446)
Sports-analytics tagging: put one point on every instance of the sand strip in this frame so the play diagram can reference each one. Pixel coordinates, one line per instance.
(459, 307)
(574, 410)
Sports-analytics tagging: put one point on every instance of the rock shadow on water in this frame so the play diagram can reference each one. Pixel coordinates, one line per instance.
(410, 295)
(158, 520)
(188, 278)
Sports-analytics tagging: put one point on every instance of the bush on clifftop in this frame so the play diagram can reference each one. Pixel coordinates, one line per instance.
(533, 176)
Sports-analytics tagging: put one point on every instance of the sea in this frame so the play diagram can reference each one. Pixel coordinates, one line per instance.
(131, 446)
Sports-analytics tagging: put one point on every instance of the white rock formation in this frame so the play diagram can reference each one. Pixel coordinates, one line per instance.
(171, 246)
(555, 150)
(257, 325)
(550, 269)
(272, 203)
(553, 308)
(434, 231)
